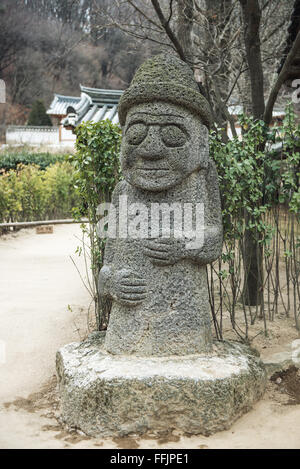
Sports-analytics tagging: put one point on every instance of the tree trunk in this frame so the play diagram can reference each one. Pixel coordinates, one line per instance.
(218, 24)
(253, 267)
(185, 9)
(253, 252)
(251, 22)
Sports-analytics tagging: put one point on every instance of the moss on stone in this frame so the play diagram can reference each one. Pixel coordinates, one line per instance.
(167, 79)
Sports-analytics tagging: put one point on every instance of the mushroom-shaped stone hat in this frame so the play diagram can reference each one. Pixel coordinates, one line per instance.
(165, 78)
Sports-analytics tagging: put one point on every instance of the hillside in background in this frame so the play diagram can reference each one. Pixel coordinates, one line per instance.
(52, 47)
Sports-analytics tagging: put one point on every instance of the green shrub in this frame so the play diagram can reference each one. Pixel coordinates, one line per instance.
(29, 194)
(32, 193)
(254, 177)
(9, 160)
(60, 192)
(10, 197)
(259, 186)
(96, 162)
(97, 166)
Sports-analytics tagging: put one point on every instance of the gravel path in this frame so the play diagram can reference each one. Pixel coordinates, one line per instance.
(37, 283)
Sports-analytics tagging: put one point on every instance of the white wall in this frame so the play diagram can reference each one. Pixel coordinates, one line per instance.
(67, 136)
(44, 136)
(32, 135)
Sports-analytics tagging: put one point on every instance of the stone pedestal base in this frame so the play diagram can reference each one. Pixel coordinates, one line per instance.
(106, 395)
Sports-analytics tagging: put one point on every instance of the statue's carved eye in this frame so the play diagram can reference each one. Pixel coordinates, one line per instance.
(136, 133)
(173, 136)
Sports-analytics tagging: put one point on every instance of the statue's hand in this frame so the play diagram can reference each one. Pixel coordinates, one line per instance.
(164, 251)
(128, 288)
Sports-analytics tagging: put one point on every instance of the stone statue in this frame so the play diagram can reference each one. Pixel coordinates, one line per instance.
(157, 367)
(158, 285)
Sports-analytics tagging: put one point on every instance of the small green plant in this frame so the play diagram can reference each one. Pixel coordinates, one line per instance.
(11, 159)
(29, 194)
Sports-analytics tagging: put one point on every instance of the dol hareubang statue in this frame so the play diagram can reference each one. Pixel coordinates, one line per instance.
(158, 285)
(157, 368)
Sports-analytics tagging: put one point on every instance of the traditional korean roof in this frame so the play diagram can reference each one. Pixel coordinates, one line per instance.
(93, 105)
(61, 104)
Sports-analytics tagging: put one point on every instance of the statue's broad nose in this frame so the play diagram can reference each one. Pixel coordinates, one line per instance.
(152, 148)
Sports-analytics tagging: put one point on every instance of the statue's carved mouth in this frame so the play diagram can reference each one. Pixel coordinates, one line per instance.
(152, 169)
(153, 172)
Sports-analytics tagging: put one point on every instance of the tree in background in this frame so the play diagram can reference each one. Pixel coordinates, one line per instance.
(14, 21)
(54, 46)
(234, 48)
(38, 115)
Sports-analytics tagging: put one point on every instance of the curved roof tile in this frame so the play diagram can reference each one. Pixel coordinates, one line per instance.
(94, 105)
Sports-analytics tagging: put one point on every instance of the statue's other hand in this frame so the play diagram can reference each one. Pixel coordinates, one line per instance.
(128, 288)
(164, 251)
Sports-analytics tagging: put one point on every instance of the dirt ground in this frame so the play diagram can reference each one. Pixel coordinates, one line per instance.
(43, 306)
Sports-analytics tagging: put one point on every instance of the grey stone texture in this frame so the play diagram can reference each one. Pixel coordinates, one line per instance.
(280, 361)
(157, 368)
(105, 395)
(158, 284)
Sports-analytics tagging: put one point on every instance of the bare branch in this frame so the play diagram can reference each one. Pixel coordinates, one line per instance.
(167, 28)
(281, 79)
(141, 12)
